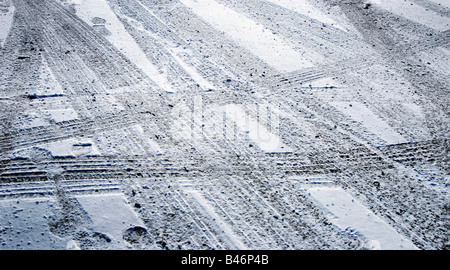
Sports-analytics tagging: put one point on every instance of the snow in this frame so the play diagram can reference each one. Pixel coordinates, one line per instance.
(148, 141)
(60, 115)
(252, 36)
(204, 84)
(303, 7)
(25, 225)
(438, 59)
(303, 160)
(231, 237)
(33, 119)
(326, 82)
(360, 113)
(110, 215)
(121, 140)
(258, 133)
(120, 38)
(71, 148)
(47, 81)
(347, 213)
(415, 12)
(6, 21)
(444, 3)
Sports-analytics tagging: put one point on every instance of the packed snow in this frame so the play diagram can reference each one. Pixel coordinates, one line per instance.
(266, 45)
(224, 124)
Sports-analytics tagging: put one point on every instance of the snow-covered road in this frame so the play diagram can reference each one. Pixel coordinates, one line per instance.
(224, 124)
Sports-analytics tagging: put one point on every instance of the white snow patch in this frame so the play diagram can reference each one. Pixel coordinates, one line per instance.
(114, 103)
(6, 21)
(257, 132)
(360, 113)
(110, 215)
(348, 213)
(415, 110)
(174, 51)
(120, 38)
(303, 7)
(71, 148)
(252, 36)
(149, 141)
(61, 115)
(414, 12)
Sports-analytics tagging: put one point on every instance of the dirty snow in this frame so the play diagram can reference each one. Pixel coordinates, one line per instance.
(292, 127)
(258, 133)
(360, 113)
(415, 12)
(347, 213)
(254, 37)
(24, 225)
(305, 8)
(110, 215)
(120, 38)
(6, 21)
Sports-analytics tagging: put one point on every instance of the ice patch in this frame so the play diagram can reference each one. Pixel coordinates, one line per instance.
(252, 36)
(414, 12)
(347, 213)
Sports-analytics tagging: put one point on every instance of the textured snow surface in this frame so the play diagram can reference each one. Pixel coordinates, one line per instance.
(417, 13)
(305, 8)
(224, 124)
(6, 20)
(266, 140)
(120, 38)
(24, 224)
(260, 41)
(349, 214)
(110, 215)
(360, 113)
